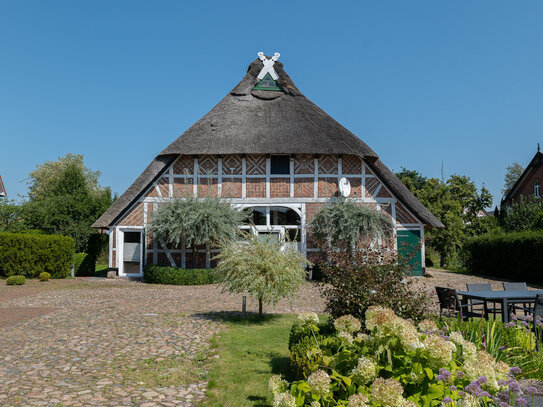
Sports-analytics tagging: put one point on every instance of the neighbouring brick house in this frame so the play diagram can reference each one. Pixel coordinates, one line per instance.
(267, 147)
(529, 183)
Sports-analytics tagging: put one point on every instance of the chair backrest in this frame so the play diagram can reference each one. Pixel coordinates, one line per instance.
(447, 298)
(479, 287)
(514, 286)
(538, 308)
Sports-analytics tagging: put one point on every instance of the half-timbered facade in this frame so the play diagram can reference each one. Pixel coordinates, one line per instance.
(271, 150)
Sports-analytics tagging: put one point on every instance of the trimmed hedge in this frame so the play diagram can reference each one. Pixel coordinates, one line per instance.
(29, 255)
(45, 276)
(84, 264)
(177, 276)
(515, 256)
(16, 280)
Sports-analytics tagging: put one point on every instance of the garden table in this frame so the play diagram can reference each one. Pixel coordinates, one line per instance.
(505, 298)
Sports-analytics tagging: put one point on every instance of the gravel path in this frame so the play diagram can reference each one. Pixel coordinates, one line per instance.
(116, 343)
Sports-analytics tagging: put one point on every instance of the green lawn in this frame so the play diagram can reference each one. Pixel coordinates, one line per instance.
(250, 352)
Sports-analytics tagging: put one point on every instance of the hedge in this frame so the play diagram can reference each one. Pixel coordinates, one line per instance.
(29, 255)
(515, 256)
(177, 276)
(84, 264)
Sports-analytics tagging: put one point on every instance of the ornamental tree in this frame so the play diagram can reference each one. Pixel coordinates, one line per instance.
(343, 224)
(260, 268)
(197, 221)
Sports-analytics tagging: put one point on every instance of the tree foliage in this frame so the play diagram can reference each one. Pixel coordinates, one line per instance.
(457, 203)
(11, 217)
(526, 214)
(260, 268)
(68, 206)
(197, 222)
(343, 223)
(44, 179)
(512, 174)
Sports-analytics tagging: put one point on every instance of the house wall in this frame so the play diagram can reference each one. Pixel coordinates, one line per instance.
(526, 189)
(246, 180)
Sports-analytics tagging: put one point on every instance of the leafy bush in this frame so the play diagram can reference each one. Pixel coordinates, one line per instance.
(396, 364)
(370, 277)
(513, 255)
(45, 276)
(29, 255)
(84, 264)
(16, 280)
(177, 276)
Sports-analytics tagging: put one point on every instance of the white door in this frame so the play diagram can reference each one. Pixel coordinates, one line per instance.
(131, 252)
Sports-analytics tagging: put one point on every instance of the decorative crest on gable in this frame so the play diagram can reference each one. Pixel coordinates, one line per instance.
(268, 66)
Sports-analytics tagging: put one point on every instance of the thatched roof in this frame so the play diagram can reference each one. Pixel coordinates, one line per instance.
(248, 121)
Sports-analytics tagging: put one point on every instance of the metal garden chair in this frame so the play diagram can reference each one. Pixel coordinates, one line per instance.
(482, 287)
(516, 287)
(451, 306)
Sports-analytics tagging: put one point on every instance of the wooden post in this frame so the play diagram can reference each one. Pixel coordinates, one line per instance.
(244, 307)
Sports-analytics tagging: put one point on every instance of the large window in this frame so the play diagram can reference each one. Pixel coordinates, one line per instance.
(280, 164)
(276, 220)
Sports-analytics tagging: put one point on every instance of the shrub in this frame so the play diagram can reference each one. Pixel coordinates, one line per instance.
(396, 364)
(84, 264)
(16, 280)
(370, 277)
(29, 255)
(45, 276)
(513, 256)
(177, 276)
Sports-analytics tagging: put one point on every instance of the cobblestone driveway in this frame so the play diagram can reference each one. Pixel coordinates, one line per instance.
(115, 343)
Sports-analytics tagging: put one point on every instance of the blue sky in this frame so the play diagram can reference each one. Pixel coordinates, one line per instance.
(422, 82)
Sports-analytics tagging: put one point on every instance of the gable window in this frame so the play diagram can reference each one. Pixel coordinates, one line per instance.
(267, 83)
(280, 164)
(536, 189)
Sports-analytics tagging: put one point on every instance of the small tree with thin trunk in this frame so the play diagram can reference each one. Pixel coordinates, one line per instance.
(260, 268)
(196, 221)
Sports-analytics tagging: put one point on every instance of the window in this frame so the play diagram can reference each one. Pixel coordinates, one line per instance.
(267, 83)
(259, 215)
(536, 189)
(280, 164)
(284, 216)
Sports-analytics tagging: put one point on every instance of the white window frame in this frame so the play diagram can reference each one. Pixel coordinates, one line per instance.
(121, 230)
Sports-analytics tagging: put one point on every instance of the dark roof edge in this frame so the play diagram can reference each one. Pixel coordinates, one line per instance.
(537, 157)
(138, 187)
(405, 196)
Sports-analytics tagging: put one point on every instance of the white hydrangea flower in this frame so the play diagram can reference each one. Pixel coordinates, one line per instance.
(319, 381)
(277, 385)
(308, 318)
(365, 371)
(387, 393)
(284, 400)
(345, 336)
(358, 400)
(347, 323)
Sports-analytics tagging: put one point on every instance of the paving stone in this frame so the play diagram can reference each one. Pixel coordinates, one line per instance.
(81, 353)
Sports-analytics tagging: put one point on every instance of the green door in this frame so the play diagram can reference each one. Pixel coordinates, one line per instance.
(409, 247)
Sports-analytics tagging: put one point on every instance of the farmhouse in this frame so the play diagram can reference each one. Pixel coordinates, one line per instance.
(267, 147)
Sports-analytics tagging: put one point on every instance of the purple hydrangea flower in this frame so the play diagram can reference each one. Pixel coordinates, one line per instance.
(502, 382)
(531, 390)
(525, 324)
(473, 388)
(485, 394)
(521, 401)
(453, 388)
(440, 378)
(447, 400)
(504, 404)
(528, 318)
(514, 317)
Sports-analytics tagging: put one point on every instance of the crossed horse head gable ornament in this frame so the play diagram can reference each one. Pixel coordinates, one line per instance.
(268, 66)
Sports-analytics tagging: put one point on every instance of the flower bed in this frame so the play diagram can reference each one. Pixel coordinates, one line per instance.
(394, 364)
